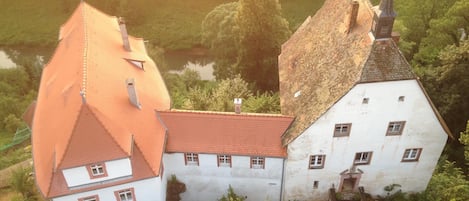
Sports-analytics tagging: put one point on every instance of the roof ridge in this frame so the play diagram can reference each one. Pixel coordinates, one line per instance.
(251, 114)
(57, 164)
(85, 51)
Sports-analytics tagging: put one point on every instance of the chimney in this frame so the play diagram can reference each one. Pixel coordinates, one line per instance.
(383, 19)
(353, 15)
(132, 92)
(125, 36)
(237, 103)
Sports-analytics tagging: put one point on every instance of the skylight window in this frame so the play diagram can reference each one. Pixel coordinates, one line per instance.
(136, 63)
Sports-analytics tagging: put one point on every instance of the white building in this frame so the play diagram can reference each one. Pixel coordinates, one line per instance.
(353, 115)
(210, 151)
(364, 118)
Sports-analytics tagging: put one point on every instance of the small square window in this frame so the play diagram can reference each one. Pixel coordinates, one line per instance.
(316, 161)
(257, 162)
(224, 161)
(97, 170)
(395, 128)
(365, 100)
(315, 184)
(191, 158)
(411, 155)
(401, 98)
(125, 195)
(362, 158)
(341, 130)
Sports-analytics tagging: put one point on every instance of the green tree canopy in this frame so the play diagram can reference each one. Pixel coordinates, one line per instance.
(262, 32)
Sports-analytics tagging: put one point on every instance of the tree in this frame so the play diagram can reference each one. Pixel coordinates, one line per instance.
(414, 21)
(220, 34)
(232, 196)
(446, 30)
(245, 38)
(22, 182)
(266, 102)
(262, 31)
(464, 139)
(448, 183)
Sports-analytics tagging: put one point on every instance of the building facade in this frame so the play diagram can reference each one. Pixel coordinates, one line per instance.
(353, 115)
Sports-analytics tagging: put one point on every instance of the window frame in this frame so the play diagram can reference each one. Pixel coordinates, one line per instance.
(257, 162)
(127, 190)
(390, 130)
(341, 126)
(96, 166)
(318, 157)
(224, 160)
(360, 161)
(88, 198)
(409, 159)
(191, 159)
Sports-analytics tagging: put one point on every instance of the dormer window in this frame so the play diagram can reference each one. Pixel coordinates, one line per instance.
(136, 63)
(97, 170)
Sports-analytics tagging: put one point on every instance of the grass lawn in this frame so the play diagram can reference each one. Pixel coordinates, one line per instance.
(174, 24)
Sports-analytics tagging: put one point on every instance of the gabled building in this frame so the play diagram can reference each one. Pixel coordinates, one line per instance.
(210, 151)
(96, 135)
(363, 118)
(353, 115)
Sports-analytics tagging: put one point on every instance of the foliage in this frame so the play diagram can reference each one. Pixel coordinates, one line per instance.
(267, 102)
(174, 188)
(22, 182)
(464, 139)
(448, 183)
(448, 84)
(163, 23)
(414, 21)
(443, 31)
(262, 31)
(15, 155)
(232, 196)
(220, 33)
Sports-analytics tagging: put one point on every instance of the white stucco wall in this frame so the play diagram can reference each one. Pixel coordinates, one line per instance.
(368, 133)
(209, 182)
(115, 169)
(145, 190)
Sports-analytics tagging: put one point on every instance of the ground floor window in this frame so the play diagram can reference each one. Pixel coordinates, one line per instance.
(411, 154)
(89, 198)
(125, 195)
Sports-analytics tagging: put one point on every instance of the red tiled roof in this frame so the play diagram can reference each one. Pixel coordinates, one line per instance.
(90, 60)
(225, 133)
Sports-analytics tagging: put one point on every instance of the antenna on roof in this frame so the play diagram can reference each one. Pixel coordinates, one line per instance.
(83, 98)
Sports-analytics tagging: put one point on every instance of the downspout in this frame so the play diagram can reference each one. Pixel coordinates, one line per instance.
(281, 184)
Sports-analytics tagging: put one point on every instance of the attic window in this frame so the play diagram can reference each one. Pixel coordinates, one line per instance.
(365, 100)
(401, 98)
(97, 170)
(136, 63)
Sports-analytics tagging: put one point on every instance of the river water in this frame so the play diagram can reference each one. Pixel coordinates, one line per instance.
(195, 59)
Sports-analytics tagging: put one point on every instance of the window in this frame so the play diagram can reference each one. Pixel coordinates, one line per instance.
(411, 155)
(362, 158)
(136, 63)
(257, 162)
(401, 98)
(125, 195)
(395, 128)
(97, 170)
(365, 100)
(224, 160)
(90, 198)
(191, 158)
(315, 184)
(341, 130)
(316, 161)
